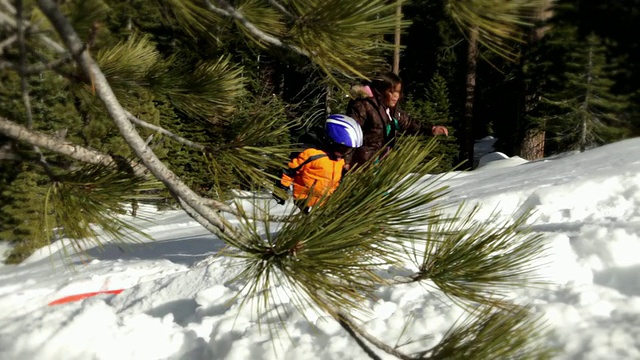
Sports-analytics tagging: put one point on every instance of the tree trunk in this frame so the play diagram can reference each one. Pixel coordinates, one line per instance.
(396, 48)
(584, 130)
(533, 138)
(472, 63)
(532, 147)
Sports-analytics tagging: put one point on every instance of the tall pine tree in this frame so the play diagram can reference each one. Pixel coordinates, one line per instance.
(586, 113)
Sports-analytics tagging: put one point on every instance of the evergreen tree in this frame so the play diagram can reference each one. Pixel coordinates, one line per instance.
(24, 181)
(436, 108)
(580, 103)
(599, 108)
(586, 111)
(21, 212)
(610, 21)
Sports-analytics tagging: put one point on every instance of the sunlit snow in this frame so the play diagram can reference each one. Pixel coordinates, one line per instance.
(177, 306)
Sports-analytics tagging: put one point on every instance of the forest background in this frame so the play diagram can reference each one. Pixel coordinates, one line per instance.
(570, 83)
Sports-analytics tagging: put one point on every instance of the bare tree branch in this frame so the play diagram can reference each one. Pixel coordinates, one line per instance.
(226, 9)
(7, 65)
(37, 68)
(196, 216)
(8, 6)
(76, 152)
(127, 130)
(345, 320)
(349, 329)
(419, 276)
(281, 8)
(8, 41)
(164, 131)
(6, 19)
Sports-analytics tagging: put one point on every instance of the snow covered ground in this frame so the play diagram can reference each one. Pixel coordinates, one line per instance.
(176, 306)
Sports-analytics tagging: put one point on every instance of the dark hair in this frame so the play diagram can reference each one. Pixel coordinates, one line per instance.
(383, 82)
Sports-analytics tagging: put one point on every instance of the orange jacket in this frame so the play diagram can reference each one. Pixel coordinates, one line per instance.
(314, 179)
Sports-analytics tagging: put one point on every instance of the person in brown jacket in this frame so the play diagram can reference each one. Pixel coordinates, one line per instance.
(374, 107)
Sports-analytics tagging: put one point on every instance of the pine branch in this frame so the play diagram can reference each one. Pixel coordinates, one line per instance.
(281, 8)
(226, 9)
(164, 131)
(74, 151)
(8, 41)
(92, 197)
(35, 69)
(77, 152)
(480, 262)
(330, 257)
(206, 201)
(498, 23)
(6, 19)
(126, 128)
(504, 333)
(352, 328)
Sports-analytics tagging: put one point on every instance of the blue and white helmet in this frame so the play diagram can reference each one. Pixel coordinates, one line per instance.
(343, 130)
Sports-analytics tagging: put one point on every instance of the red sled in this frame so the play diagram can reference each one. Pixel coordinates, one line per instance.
(76, 297)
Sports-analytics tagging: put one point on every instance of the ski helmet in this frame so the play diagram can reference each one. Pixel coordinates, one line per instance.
(343, 130)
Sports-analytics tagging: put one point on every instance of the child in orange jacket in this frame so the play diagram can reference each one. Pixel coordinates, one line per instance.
(316, 173)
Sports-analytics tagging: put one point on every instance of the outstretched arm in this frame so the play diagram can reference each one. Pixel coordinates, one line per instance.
(412, 126)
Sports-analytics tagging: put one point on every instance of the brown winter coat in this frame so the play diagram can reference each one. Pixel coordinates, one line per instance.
(372, 115)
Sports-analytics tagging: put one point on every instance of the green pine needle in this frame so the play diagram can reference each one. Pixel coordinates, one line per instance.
(86, 204)
(332, 255)
(207, 91)
(479, 262)
(499, 23)
(513, 333)
(249, 155)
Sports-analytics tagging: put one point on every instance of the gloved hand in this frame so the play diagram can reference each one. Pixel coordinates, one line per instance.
(280, 193)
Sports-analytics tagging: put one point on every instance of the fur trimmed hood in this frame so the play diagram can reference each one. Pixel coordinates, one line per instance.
(360, 92)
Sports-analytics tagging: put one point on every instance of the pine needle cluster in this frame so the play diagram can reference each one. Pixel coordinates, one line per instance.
(87, 204)
(499, 23)
(336, 249)
(389, 215)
